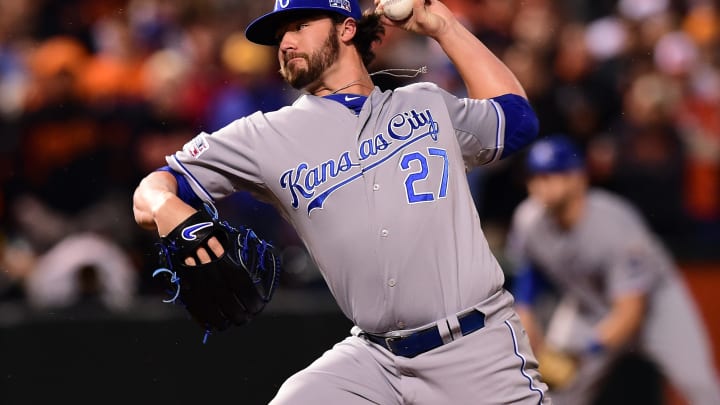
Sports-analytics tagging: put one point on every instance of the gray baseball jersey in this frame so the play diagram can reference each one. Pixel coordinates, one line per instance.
(608, 253)
(380, 200)
(611, 252)
(382, 203)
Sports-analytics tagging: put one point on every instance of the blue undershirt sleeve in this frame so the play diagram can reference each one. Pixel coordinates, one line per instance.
(185, 192)
(521, 123)
(527, 285)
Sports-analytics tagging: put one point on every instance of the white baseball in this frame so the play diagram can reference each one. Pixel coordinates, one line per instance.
(397, 10)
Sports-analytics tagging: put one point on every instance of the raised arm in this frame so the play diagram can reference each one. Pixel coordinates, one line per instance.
(484, 74)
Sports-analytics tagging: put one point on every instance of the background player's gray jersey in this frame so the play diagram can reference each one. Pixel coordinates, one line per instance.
(322, 165)
(609, 252)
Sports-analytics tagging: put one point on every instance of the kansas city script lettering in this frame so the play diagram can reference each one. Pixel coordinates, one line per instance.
(303, 181)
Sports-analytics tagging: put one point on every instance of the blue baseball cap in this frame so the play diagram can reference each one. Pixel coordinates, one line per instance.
(554, 154)
(264, 28)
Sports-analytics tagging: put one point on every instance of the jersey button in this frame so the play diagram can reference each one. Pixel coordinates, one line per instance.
(392, 282)
(401, 325)
(384, 233)
(376, 187)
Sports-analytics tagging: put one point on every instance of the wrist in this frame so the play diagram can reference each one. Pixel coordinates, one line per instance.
(169, 212)
(160, 202)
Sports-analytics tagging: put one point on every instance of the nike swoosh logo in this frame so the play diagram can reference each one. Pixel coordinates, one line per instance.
(189, 232)
(348, 98)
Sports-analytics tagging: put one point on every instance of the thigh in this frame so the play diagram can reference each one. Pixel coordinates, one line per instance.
(348, 373)
(494, 365)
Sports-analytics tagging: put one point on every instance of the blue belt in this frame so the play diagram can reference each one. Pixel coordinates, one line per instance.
(427, 339)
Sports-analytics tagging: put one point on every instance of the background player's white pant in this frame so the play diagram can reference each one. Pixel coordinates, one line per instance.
(494, 365)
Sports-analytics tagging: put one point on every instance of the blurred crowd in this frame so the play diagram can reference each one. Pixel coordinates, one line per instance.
(94, 94)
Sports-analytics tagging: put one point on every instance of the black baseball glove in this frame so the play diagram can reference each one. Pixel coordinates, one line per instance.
(229, 290)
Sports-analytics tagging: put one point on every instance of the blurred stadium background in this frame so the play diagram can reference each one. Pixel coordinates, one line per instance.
(94, 94)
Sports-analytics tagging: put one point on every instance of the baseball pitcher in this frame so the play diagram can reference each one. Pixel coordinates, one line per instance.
(374, 183)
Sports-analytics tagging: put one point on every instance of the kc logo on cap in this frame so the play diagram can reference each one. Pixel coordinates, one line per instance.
(263, 30)
(343, 4)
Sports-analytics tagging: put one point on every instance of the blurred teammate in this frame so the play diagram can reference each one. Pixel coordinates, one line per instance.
(618, 287)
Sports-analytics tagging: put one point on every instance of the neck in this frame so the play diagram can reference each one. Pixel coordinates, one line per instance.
(347, 75)
(571, 213)
(362, 85)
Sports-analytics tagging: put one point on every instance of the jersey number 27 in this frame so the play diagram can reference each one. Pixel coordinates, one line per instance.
(422, 174)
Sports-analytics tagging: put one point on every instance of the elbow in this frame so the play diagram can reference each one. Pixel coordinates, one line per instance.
(161, 192)
(152, 192)
(141, 212)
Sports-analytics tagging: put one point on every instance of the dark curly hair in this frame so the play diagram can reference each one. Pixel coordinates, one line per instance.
(369, 31)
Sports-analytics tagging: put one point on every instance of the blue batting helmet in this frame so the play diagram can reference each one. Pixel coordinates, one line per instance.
(554, 154)
(263, 29)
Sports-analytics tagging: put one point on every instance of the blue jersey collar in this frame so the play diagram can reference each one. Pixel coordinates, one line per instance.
(351, 101)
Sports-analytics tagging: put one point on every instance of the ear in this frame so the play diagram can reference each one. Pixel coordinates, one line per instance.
(348, 28)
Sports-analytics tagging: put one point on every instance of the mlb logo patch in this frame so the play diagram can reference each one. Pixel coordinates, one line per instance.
(197, 146)
(343, 4)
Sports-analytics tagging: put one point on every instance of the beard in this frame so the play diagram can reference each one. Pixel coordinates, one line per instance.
(318, 62)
